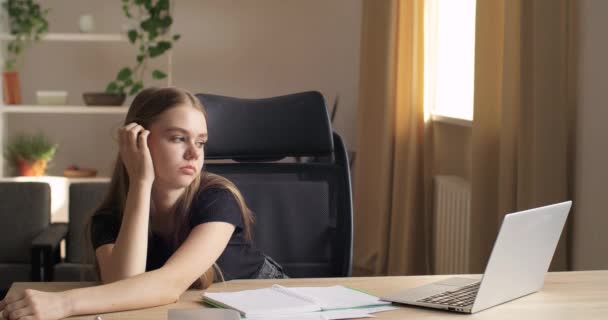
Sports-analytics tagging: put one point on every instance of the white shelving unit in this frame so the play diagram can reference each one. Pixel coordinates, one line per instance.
(64, 109)
(90, 122)
(79, 37)
(81, 116)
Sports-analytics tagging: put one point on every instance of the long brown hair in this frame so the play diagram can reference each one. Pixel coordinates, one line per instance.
(145, 109)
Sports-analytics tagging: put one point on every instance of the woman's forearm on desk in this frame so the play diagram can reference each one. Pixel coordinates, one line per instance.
(203, 246)
(162, 286)
(142, 291)
(146, 290)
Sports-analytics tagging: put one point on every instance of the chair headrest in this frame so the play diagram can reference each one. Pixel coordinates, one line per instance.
(269, 128)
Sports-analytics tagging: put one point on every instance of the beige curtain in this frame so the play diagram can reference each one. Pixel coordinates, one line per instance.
(524, 114)
(390, 175)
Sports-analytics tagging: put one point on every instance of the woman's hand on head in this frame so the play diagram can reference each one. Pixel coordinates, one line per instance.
(134, 152)
(35, 305)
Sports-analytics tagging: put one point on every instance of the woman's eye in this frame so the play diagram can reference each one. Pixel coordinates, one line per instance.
(200, 144)
(178, 139)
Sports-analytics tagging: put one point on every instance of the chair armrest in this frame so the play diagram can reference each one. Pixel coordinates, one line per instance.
(50, 238)
(45, 251)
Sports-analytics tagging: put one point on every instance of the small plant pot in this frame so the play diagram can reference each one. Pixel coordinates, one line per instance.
(103, 99)
(32, 168)
(11, 87)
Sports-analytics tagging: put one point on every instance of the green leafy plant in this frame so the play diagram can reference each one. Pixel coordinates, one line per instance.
(25, 147)
(151, 37)
(27, 22)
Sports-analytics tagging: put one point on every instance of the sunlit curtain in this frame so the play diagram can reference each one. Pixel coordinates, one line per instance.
(524, 114)
(391, 174)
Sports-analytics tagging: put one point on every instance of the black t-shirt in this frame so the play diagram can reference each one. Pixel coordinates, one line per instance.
(240, 260)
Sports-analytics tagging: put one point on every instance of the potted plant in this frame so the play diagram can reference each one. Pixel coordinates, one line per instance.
(27, 22)
(30, 154)
(150, 35)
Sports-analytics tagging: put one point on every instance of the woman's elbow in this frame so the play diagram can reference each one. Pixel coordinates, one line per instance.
(165, 285)
(177, 287)
(171, 296)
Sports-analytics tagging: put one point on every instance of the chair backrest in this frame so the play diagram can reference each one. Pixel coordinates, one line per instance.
(25, 211)
(84, 198)
(302, 207)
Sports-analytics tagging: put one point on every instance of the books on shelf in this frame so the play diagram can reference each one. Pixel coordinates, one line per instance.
(278, 300)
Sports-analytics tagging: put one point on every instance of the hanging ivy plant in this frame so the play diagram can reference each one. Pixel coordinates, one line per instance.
(27, 22)
(152, 39)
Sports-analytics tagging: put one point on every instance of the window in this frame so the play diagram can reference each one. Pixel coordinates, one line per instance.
(449, 65)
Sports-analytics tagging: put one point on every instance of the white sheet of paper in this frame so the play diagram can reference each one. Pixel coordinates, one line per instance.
(303, 303)
(338, 297)
(264, 301)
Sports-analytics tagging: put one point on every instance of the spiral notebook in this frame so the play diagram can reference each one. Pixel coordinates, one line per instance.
(279, 300)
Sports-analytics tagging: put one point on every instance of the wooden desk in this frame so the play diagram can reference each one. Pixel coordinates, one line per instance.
(566, 295)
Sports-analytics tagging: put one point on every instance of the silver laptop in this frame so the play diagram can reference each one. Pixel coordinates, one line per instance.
(520, 258)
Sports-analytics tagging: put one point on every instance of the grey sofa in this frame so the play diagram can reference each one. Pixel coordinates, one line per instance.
(84, 198)
(25, 232)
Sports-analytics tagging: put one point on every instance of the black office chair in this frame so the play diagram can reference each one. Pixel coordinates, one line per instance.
(303, 209)
(25, 212)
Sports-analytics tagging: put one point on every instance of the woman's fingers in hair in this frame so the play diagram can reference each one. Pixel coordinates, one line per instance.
(130, 126)
(143, 139)
(124, 132)
(133, 134)
(130, 134)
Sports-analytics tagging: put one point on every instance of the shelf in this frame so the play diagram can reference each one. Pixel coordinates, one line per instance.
(63, 109)
(76, 37)
(49, 179)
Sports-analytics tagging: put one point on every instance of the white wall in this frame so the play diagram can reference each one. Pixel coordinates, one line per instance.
(590, 245)
(240, 48)
(272, 47)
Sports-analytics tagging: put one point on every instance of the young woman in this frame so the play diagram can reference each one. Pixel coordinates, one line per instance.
(166, 224)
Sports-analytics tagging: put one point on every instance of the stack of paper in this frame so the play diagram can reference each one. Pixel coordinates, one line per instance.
(278, 302)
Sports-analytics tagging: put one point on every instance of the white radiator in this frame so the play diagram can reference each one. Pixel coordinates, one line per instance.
(452, 218)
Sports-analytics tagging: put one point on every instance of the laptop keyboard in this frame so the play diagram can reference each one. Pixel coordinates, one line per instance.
(459, 298)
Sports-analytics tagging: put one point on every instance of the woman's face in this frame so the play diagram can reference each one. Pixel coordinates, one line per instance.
(176, 144)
